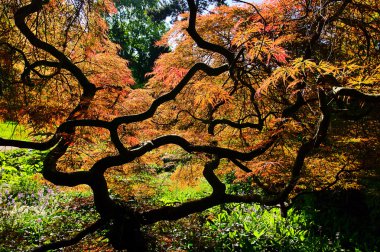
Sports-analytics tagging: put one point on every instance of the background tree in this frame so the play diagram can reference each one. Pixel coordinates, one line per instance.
(259, 94)
(133, 28)
(139, 24)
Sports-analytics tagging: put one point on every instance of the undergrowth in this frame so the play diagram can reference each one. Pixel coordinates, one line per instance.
(33, 212)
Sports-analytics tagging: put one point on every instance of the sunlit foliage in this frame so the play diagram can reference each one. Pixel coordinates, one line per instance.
(276, 93)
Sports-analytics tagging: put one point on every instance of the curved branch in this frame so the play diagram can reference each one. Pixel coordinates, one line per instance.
(172, 94)
(183, 210)
(319, 25)
(344, 91)
(218, 188)
(256, 9)
(67, 126)
(214, 150)
(200, 41)
(177, 212)
(212, 123)
(307, 147)
(31, 67)
(20, 21)
(236, 125)
(66, 243)
(357, 24)
(255, 178)
(338, 12)
(289, 111)
(51, 173)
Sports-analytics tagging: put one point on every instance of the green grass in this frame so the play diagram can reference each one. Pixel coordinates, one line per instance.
(13, 130)
(178, 194)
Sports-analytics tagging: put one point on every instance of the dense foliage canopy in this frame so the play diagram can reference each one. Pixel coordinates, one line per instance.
(282, 94)
(136, 32)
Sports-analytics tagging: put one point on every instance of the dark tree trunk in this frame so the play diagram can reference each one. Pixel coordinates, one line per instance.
(125, 233)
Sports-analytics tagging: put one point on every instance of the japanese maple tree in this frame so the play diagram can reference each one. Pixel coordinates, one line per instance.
(261, 90)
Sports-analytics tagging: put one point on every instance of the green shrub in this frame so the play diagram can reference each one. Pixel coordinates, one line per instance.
(254, 228)
(32, 213)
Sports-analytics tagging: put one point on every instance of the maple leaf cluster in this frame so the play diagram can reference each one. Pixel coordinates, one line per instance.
(281, 58)
(46, 93)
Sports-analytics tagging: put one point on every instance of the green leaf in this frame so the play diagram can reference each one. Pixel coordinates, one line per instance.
(258, 234)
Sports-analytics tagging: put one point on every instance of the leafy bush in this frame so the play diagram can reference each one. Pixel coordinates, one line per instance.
(255, 228)
(18, 169)
(30, 211)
